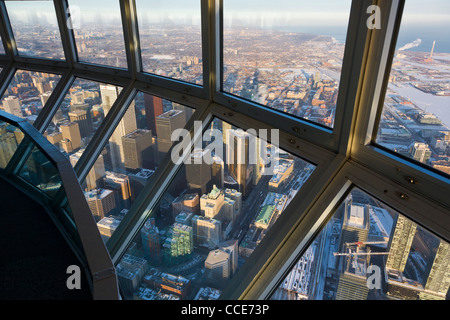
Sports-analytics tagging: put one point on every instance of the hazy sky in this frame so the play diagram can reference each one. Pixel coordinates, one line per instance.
(255, 12)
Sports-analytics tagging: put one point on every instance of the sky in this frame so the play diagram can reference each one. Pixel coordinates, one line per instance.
(264, 13)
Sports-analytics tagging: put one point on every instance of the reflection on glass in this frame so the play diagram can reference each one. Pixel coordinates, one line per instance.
(286, 55)
(228, 193)
(134, 151)
(35, 29)
(2, 48)
(171, 39)
(97, 27)
(10, 138)
(368, 251)
(28, 93)
(39, 171)
(416, 119)
(80, 115)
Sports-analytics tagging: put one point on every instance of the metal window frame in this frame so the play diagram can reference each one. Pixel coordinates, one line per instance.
(101, 268)
(405, 172)
(329, 138)
(416, 207)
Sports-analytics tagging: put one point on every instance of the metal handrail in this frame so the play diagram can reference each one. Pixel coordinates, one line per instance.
(101, 267)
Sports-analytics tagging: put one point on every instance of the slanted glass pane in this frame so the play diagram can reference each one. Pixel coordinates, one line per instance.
(97, 26)
(2, 48)
(80, 115)
(286, 55)
(415, 122)
(171, 38)
(35, 29)
(28, 93)
(368, 251)
(10, 138)
(41, 172)
(134, 151)
(218, 208)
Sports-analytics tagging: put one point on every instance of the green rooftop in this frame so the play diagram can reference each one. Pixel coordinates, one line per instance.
(265, 214)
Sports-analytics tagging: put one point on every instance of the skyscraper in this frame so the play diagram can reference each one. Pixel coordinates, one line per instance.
(211, 203)
(11, 105)
(207, 232)
(355, 227)
(238, 159)
(126, 125)
(109, 94)
(400, 243)
(189, 202)
(437, 273)
(167, 123)
(218, 268)
(71, 132)
(198, 172)
(352, 283)
(153, 108)
(80, 117)
(178, 245)
(420, 152)
(101, 202)
(217, 172)
(120, 183)
(94, 179)
(151, 242)
(138, 149)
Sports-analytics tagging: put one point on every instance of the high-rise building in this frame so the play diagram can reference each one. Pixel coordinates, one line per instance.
(109, 94)
(355, 227)
(71, 132)
(237, 197)
(211, 203)
(400, 243)
(437, 273)
(11, 105)
(189, 202)
(420, 152)
(120, 184)
(77, 97)
(45, 96)
(138, 180)
(130, 271)
(101, 202)
(198, 172)
(232, 248)
(352, 283)
(258, 166)
(217, 268)
(217, 172)
(153, 108)
(178, 245)
(128, 124)
(151, 242)
(138, 149)
(188, 112)
(55, 138)
(207, 232)
(80, 117)
(107, 226)
(238, 159)
(167, 123)
(94, 179)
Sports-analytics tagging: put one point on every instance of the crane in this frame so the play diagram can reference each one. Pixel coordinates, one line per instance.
(357, 253)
